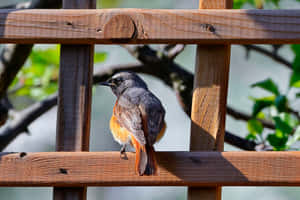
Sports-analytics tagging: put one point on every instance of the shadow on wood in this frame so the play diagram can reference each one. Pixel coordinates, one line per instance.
(76, 169)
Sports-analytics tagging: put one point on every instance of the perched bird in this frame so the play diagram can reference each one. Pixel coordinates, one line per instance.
(137, 119)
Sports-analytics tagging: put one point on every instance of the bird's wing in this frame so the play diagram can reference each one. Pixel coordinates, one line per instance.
(153, 114)
(129, 116)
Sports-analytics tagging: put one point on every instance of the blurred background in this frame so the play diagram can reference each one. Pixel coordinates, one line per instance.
(247, 67)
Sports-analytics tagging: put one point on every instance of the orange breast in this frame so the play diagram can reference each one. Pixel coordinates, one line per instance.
(120, 134)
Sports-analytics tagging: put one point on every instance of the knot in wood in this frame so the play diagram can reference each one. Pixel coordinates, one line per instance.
(120, 27)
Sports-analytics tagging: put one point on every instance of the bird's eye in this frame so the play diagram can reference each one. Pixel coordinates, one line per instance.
(118, 80)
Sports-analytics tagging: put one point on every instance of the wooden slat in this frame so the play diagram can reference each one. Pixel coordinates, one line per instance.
(74, 101)
(209, 101)
(74, 169)
(209, 98)
(150, 26)
(209, 107)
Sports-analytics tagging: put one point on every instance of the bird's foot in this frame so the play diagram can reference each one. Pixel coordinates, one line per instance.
(123, 152)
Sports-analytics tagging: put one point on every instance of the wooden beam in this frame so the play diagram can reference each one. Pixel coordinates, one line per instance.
(73, 169)
(75, 97)
(209, 101)
(113, 26)
(74, 101)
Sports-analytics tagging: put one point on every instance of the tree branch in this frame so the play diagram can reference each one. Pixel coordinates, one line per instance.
(182, 82)
(26, 117)
(23, 119)
(271, 54)
(13, 56)
(242, 116)
(239, 142)
(165, 69)
(161, 67)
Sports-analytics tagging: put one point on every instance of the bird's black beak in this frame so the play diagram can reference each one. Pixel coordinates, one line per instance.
(105, 83)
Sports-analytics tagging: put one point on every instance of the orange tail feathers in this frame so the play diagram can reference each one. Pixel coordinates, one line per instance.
(145, 162)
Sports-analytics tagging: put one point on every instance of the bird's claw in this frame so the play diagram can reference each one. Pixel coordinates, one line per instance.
(123, 152)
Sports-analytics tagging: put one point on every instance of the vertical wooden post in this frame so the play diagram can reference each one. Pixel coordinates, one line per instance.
(74, 102)
(209, 101)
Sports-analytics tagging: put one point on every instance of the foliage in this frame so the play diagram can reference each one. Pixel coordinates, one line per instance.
(108, 3)
(275, 106)
(238, 4)
(39, 77)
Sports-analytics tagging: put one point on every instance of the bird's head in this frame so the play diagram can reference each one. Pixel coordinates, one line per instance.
(122, 81)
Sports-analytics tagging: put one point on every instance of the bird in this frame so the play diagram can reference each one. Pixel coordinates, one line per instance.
(137, 119)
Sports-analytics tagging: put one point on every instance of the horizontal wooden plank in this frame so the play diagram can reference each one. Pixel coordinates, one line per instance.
(108, 26)
(175, 169)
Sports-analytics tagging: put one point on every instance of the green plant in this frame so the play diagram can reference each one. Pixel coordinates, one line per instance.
(39, 77)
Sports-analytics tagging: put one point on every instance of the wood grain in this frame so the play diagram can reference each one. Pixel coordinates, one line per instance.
(150, 26)
(215, 4)
(209, 101)
(209, 98)
(74, 101)
(73, 169)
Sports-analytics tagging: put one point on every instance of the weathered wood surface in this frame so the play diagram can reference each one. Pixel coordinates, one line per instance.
(75, 97)
(150, 26)
(209, 98)
(74, 101)
(209, 101)
(209, 107)
(74, 169)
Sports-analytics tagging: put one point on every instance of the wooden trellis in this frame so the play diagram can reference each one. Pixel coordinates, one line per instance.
(213, 28)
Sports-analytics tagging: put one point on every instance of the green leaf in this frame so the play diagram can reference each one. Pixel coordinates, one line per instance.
(289, 119)
(268, 85)
(39, 73)
(276, 2)
(255, 127)
(262, 103)
(296, 62)
(100, 57)
(295, 138)
(281, 103)
(238, 4)
(298, 94)
(251, 136)
(295, 47)
(45, 57)
(25, 91)
(261, 115)
(278, 140)
(46, 78)
(51, 88)
(283, 126)
(108, 4)
(15, 81)
(295, 79)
